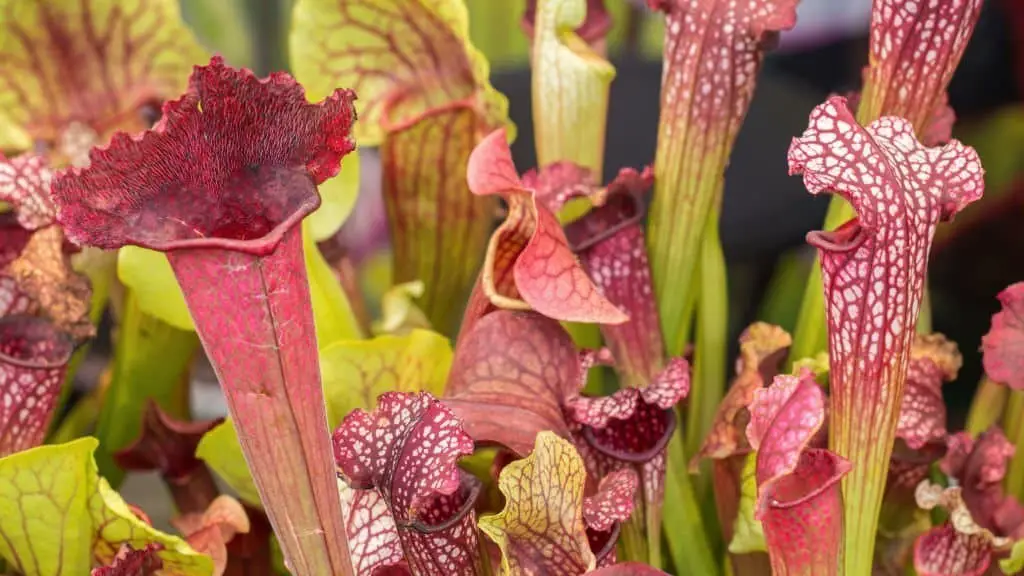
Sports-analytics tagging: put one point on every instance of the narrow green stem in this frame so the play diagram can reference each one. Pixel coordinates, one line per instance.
(692, 553)
(589, 336)
(987, 407)
(924, 319)
(675, 229)
(810, 335)
(632, 544)
(1014, 481)
(862, 427)
(332, 312)
(151, 360)
(708, 384)
(781, 303)
(78, 421)
(1012, 415)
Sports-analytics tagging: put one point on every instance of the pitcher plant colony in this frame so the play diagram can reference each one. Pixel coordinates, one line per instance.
(545, 392)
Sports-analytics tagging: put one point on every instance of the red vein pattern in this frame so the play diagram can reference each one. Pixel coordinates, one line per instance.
(613, 501)
(230, 233)
(241, 130)
(933, 361)
(915, 48)
(13, 300)
(25, 184)
(33, 360)
(631, 429)
(402, 57)
(372, 534)
(712, 54)
(1003, 346)
(962, 545)
(920, 438)
(513, 367)
(92, 62)
(438, 229)
(610, 245)
(873, 269)
(407, 451)
(944, 551)
(530, 248)
(666, 390)
(424, 98)
(799, 501)
(541, 528)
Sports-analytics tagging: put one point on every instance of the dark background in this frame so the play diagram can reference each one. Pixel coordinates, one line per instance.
(767, 213)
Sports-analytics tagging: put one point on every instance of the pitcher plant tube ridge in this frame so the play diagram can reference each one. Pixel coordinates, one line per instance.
(227, 215)
(874, 273)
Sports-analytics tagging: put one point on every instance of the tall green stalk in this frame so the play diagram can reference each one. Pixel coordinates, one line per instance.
(708, 384)
(987, 408)
(1014, 423)
(691, 552)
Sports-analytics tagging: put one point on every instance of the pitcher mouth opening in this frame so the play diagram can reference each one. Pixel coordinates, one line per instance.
(468, 492)
(639, 457)
(822, 470)
(250, 212)
(845, 238)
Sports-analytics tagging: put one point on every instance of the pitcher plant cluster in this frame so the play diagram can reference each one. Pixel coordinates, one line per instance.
(545, 390)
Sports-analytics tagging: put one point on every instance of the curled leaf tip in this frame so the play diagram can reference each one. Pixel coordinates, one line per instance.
(961, 545)
(528, 263)
(799, 500)
(591, 27)
(164, 443)
(406, 450)
(672, 385)
(259, 168)
(613, 501)
(400, 423)
(541, 529)
(784, 418)
(762, 347)
(1003, 346)
(883, 171)
(514, 367)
